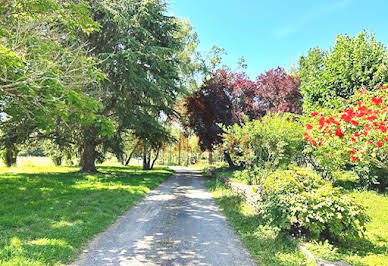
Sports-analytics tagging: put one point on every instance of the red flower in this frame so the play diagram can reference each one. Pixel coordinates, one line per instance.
(346, 117)
(339, 132)
(352, 152)
(309, 126)
(322, 121)
(314, 114)
(354, 159)
(362, 108)
(383, 128)
(313, 142)
(332, 120)
(377, 101)
(356, 134)
(354, 139)
(305, 134)
(371, 118)
(379, 144)
(386, 139)
(354, 122)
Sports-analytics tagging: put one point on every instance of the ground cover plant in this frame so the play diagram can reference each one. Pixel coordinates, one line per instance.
(48, 213)
(265, 244)
(373, 249)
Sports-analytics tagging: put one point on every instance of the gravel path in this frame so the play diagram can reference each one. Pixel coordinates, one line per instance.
(176, 224)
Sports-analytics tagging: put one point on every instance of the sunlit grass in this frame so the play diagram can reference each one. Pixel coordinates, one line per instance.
(373, 250)
(48, 213)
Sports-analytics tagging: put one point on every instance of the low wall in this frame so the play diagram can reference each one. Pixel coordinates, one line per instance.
(244, 191)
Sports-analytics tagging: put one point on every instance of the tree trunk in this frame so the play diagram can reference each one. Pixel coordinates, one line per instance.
(229, 160)
(88, 158)
(179, 152)
(10, 156)
(156, 157)
(146, 162)
(132, 152)
(210, 158)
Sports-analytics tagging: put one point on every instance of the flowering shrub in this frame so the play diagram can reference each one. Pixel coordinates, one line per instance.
(301, 202)
(356, 135)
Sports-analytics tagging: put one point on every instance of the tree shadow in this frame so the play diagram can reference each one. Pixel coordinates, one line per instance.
(54, 213)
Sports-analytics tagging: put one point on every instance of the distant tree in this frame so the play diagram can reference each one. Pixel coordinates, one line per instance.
(224, 99)
(330, 77)
(278, 91)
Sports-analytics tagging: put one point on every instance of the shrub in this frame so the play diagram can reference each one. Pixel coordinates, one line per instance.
(264, 145)
(300, 202)
(357, 135)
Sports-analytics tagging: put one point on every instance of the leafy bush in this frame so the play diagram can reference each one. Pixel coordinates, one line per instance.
(301, 202)
(264, 145)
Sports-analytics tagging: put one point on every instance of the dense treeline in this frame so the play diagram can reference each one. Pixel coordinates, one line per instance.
(83, 74)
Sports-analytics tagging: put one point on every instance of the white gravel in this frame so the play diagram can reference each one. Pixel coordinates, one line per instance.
(176, 224)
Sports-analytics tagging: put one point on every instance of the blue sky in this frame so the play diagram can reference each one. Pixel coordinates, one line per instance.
(275, 33)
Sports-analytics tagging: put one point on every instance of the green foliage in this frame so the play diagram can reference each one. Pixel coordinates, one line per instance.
(329, 77)
(371, 250)
(299, 201)
(47, 214)
(265, 244)
(265, 145)
(44, 68)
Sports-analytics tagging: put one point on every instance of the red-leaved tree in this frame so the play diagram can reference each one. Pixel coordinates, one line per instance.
(228, 96)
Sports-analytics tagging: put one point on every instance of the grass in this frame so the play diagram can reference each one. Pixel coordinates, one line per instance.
(48, 214)
(265, 245)
(373, 250)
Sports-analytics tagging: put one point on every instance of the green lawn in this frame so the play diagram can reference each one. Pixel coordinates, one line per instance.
(47, 214)
(373, 250)
(264, 244)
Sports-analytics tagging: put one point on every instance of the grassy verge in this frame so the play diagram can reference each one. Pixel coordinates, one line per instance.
(265, 245)
(48, 213)
(373, 250)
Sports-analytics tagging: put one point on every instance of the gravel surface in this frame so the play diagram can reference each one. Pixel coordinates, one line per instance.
(176, 224)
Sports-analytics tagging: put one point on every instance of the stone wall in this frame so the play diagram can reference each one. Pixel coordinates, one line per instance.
(246, 192)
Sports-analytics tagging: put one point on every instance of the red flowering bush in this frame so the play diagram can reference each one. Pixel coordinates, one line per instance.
(357, 135)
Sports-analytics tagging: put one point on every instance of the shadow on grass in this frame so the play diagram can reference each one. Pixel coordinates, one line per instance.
(46, 217)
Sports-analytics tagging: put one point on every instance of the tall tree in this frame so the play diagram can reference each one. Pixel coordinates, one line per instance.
(140, 49)
(330, 77)
(43, 67)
